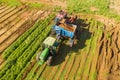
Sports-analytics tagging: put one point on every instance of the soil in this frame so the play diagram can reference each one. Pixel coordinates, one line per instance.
(86, 63)
(108, 49)
(67, 27)
(108, 56)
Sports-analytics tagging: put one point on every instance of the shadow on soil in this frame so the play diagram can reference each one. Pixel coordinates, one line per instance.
(82, 35)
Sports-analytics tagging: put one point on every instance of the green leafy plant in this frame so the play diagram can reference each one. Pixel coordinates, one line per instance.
(100, 7)
(11, 2)
(20, 55)
(35, 5)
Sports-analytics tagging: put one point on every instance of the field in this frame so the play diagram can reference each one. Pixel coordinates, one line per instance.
(95, 55)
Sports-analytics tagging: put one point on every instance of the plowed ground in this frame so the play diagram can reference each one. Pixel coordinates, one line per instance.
(95, 55)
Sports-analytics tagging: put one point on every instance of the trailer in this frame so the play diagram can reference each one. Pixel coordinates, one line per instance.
(64, 30)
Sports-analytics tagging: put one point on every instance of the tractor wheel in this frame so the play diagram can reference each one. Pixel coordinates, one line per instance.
(75, 39)
(76, 34)
(49, 61)
(37, 56)
(71, 44)
(58, 38)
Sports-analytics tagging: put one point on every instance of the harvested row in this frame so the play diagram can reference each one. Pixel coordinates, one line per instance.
(11, 14)
(8, 11)
(2, 6)
(11, 30)
(10, 22)
(5, 9)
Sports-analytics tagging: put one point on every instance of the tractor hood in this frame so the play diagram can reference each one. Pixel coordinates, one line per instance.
(49, 41)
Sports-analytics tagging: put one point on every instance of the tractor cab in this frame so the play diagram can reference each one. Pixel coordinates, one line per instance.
(49, 47)
(49, 42)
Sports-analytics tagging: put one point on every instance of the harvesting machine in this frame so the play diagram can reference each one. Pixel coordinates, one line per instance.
(63, 27)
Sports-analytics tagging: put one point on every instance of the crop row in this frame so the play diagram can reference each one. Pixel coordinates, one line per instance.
(16, 44)
(21, 52)
(26, 56)
(33, 61)
(75, 64)
(10, 22)
(36, 66)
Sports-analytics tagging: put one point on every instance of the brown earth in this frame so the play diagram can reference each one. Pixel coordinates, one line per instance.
(106, 61)
(108, 65)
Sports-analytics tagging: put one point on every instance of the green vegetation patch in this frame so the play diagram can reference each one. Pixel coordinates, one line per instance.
(11, 2)
(35, 5)
(100, 7)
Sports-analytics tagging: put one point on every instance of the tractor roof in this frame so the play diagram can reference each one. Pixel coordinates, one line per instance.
(49, 41)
